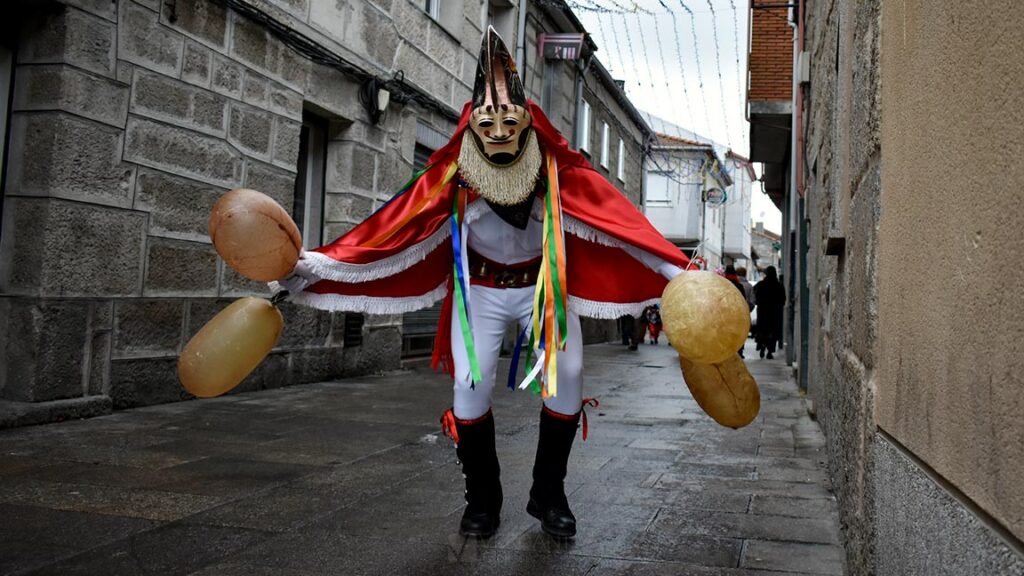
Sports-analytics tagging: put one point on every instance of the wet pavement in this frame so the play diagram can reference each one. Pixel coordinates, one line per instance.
(353, 477)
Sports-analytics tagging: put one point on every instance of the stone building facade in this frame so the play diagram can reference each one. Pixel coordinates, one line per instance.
(915, 377)
(129, 119)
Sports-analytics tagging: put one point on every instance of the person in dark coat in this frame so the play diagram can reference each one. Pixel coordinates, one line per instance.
(770, 297)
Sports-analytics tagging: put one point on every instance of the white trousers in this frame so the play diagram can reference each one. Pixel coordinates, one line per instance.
(492, 309)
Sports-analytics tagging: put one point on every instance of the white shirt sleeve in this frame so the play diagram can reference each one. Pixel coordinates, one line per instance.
(666, 269)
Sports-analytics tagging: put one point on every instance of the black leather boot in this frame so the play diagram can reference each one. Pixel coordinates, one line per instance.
(547, 496)
(474, 445)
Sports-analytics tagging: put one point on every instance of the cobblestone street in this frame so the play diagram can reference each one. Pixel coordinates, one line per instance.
(353, 477)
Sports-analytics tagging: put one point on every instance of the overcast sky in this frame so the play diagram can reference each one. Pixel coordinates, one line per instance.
(675, 74)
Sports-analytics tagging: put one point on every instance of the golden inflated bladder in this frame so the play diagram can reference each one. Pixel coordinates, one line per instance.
(704, 316)
(254, 235)
(725, 390)
(229, 347)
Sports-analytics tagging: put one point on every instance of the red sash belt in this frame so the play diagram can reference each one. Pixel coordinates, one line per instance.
(486, 272)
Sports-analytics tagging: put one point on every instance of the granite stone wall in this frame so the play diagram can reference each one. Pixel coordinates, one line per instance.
(843, 160)
(912, 380)
(129, 120)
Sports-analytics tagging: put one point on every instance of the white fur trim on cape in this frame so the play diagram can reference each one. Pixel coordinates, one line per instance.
(370, 304)
(608, 310)
(327, 268)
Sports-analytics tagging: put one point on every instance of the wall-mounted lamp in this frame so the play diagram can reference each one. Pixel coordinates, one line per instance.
(374, 98)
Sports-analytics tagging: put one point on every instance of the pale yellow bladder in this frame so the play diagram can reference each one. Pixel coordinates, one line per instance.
(725, 391)
(704, 316)
(229, 347)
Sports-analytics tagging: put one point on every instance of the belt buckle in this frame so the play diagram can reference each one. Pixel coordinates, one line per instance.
(504, 278)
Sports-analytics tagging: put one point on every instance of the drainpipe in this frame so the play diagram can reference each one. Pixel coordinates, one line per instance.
(581, 69)
(524, 5)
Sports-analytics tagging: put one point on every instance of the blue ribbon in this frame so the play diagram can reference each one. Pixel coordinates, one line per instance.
(514, 368)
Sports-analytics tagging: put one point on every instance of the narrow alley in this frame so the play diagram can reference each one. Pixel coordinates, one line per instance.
(354, 477)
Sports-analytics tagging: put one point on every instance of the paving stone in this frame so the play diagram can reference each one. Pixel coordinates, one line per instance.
(799, 507)
(113, 501)
(34, 536)
(224, 476)
(170, 549)
(608, 567)
(702, 550)
(748, 526)
(794, 557)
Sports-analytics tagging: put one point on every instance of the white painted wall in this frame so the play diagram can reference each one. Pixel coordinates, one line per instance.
(738, 207)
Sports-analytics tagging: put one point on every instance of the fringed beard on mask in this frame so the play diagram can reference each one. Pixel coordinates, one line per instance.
(506, 185)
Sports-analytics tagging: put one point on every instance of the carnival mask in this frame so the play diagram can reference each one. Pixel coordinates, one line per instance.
(500, 122)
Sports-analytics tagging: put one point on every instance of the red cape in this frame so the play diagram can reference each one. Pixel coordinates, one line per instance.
(409, 269)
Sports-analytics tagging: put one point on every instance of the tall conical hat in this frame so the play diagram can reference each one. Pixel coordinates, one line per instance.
(497, 81)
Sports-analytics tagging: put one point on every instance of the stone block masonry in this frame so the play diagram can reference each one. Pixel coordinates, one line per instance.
(129, 120)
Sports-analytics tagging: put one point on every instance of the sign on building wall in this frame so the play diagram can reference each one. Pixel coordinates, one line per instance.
(715, 196)
(563, 46)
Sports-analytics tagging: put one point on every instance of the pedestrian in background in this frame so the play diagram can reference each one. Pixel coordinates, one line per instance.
(748, 288)
(626, 325)
(639, 330)
(770, 297)
(653, 314)
(733, 278)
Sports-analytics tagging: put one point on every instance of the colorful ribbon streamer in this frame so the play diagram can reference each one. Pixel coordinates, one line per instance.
(417, 208)
(549, 327)
(461, 284)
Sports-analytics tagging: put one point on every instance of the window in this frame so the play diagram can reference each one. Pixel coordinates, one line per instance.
(604, 145)
(620, 170)
(308, 209)
(434, 9)
(583, 128)
(448, 13)
(658, 191)
(502, 15)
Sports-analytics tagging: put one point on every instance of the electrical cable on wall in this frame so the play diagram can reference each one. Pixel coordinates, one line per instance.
(400, 92)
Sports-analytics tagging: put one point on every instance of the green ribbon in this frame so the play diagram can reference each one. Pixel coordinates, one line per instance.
(459, 282)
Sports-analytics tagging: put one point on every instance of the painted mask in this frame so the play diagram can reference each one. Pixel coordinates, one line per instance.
(500, 121)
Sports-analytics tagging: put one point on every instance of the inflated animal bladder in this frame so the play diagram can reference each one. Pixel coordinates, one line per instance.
(229, 347)
(705, 317)
(254, 235)
(725, 391)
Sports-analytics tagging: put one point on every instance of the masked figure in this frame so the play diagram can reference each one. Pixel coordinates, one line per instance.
(505, 224)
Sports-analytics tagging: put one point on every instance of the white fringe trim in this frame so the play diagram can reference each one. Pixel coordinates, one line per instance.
(370, 304)
(607, 310)
(327, 268)
(578, 228)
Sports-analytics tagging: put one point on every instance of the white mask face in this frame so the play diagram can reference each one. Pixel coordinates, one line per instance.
(500, 131)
